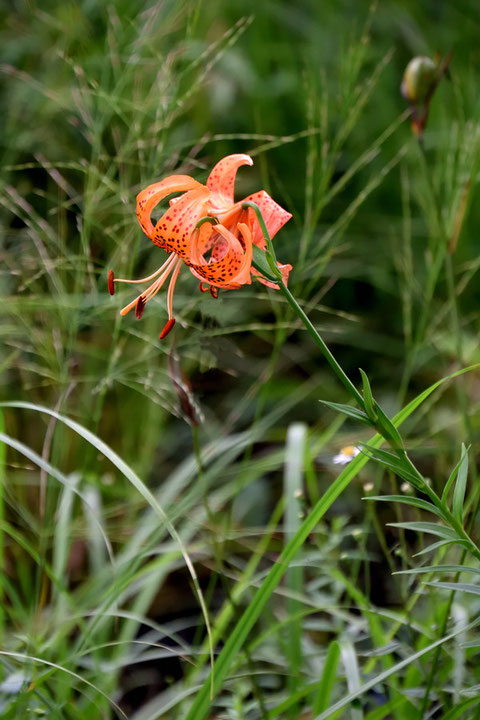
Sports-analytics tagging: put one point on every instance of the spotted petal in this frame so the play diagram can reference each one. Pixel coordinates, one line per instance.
(174, 229)
(275, 217)
(221, 181)
(230, 260)
(153, 194)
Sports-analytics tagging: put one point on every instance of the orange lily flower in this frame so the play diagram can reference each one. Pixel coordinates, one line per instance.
(219, 255)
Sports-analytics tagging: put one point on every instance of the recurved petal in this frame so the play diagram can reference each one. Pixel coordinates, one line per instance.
(230, 260)
(221, 180)
(153, 194)
(174, 229)
(275, 217)
(202, 241)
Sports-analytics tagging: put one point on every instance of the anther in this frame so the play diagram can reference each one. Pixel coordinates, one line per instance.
(111, 282)
(214, 292)
(139, 307)
(167, 328)
(201, 288)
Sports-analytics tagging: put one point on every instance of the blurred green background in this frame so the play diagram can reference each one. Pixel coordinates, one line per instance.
(100, 99)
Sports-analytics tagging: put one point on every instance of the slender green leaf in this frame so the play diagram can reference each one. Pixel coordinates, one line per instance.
(451, 480)
(327, 683)
(428, 527)
(442, 543)
(397, 464)
(458, 712)
(348, 410)
(440, 569)
(460, 485)
(458, 587)
(408, 500)
(370, 404)
(384, 422)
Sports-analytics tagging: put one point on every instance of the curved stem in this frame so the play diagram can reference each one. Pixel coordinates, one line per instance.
(449, 517)
(395, 443)
(339, 372)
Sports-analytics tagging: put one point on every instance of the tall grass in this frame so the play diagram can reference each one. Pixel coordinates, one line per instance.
(124, 531)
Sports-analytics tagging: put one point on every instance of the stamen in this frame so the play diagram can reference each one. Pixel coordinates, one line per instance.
(151, 291)
(150, 277)
(139, 308)
(201, 288)
(171, 288)
(111, 282)
(167, 328)
(214, 292)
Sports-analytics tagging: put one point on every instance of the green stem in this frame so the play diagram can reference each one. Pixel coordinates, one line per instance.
(397, 446)
(321, 344)
(455, 524)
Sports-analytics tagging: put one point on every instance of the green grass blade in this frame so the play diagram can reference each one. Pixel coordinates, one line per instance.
(391, 671)
(327, 683)
(457, 587)
(352, 673)
(441, 543)
(3, 476)
(451, 480)
(133, 478)
(459, 711)
(377, 680)
(439, 568)
(293, 490)
(428, 527)
(201, 704)
(352, 412)
(408, 500)
(55, 666)
(48, 468)
(460, 486)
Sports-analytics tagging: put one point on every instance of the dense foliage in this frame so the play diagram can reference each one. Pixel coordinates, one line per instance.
(149, 487)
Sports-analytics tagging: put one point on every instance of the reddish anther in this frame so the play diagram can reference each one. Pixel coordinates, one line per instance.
(167, 328)
(139, 307)
(111, 282)
(214, 292)
(201, 288)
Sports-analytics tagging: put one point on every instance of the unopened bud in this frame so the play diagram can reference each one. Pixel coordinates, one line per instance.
(418, 79)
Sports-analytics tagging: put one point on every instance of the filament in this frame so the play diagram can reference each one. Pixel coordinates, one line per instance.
(150, 277)
(151, 291)
(171, 288)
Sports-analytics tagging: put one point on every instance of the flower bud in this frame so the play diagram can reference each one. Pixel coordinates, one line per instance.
(418, 79)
